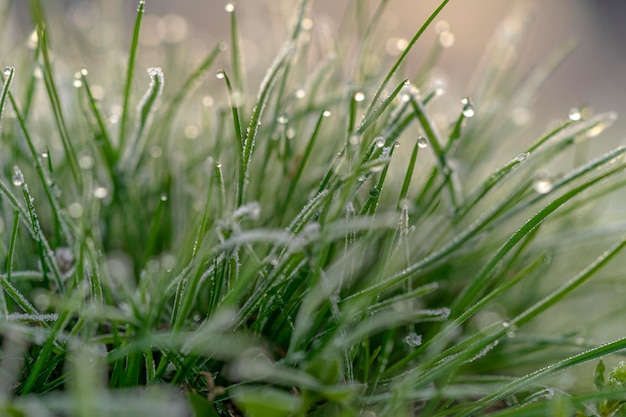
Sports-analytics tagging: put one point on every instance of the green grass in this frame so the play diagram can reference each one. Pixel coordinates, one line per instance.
(336, 244)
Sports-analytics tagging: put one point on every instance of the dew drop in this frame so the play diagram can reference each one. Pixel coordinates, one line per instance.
(575, 114)
(413, 339)
(18, 178)
(396, 144)
(446, 39)
(374, 192)
(77, 83)
(422, 142)
(468, 108)
(163, 197)
(37, 73)
(100, 192)
(230, 7)
(542, 184)
(7, 71)
(290, 133)
(282, 119)
(326, 113)
(75, 210)
(44, 155)
(85, 162)
(84, 72)
(300, 93)
(379, 141)
(359, 96)
(439, 86)
(220, 74)
(33, 40)
(522, 157)
(354, 139)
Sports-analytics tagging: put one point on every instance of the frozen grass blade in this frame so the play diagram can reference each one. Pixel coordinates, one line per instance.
(8, 74)
(145, 112)
(336, 280)
(11, 253)
(266, 89)
(128, 84)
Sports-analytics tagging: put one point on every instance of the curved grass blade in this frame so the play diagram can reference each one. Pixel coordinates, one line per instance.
(8, 73)
(144, 114)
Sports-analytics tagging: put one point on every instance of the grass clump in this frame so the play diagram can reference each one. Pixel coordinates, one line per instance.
(324, 247)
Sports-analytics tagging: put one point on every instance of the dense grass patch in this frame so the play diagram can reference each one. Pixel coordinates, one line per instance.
(333, 241)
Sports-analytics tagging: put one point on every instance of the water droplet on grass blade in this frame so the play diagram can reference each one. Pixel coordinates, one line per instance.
(230, 7)
(468, 108)
(354, 139)
(300, 93)
(100, 192)
(18, 178)
(7, 71)
(575, 114)
(33, 40)
(326, 113)
(85, 162)
(379, 141)
(413, 339)
(163, 197)
(75, 210)
(542, 184)
(282, 119)
(422, 142)
(220, 74)
(522, 157)
(84, 72)
(359, 96)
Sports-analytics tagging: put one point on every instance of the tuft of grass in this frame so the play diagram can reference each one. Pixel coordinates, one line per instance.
(322, 247)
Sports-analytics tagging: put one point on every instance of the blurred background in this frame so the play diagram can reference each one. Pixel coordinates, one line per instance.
(594, 75)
